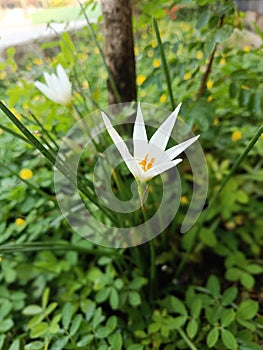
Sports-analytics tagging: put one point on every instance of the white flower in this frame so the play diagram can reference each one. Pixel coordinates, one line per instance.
(149, 157)
(58, 88)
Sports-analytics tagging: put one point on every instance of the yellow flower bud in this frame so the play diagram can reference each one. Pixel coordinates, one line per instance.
(20, 222)
(236, 135)
(26, 174)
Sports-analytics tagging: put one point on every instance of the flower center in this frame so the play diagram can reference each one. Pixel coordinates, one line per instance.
(145, 164)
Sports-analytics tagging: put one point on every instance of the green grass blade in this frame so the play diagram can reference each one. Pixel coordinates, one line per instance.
(164, 63)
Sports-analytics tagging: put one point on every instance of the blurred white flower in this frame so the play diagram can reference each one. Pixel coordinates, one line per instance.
(150, 158)
(58, 88)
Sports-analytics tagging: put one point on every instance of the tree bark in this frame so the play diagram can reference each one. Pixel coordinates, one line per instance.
(119, 49)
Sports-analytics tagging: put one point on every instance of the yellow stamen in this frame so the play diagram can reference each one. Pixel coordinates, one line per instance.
(145, 164)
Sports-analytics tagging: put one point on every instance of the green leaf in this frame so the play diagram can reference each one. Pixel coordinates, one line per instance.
(59, 344)
(212, 337)
(247, 309)
(254, 269)
(208, 237)
(103, 332)
(112, 322)
(134, 298)
(154, 327)
(228, 339)
(115, 341)
(135, 347)
(233, 274)
(31, 310)
(5, 325)
(67, 313)
(35, 345)
(203, 19)
(227, 317)
(102, 295)
(229, 296)
(39, 330)
(90, 311)
(177, 322)
(196, 308)
(86, 340)
(175, 305)
(137, 283)
(114, 298)
(247, 280)
(192, 328)
(45, 298)
(213, 285)
(75, 324)
(15, 345)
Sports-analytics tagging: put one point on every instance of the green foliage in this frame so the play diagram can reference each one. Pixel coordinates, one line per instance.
(58, 292)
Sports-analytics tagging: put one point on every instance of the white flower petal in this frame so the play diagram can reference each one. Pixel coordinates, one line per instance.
(46, 91)
(160, 168)
(120, 144)
(140, 140)
(161, 137)
(176, 150)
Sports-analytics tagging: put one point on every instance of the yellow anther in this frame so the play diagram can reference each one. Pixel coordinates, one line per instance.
(145, 165)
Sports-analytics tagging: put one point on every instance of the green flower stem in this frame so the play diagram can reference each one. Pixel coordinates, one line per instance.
(141, 192)
(12, 132)
(164, 63)
(186, 339)
(113, 85)
(215, 196)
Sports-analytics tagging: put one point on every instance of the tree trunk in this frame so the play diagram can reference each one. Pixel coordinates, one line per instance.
(119, 49)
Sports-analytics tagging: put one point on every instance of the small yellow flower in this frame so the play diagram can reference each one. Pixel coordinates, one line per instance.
(20, 222)
(96, 51)
(150, 53)
(37, 61)
(1, 131)
(1, 259)
(199, 55)
(209, 84)
(85, 84)
(246, 48)
(210, 98)
(2, 75)
(144, 35)
(25, 105)
(236, 135)
(154, 44)
(222, 62)
(136, 51)
(26, 174)
(28, 67)
(140, 79)
(216, 121)
(47, 59)
(184, 200)
(261, 136)
(187, 76)
(163, 98)
(104, 75)
(156, 63)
